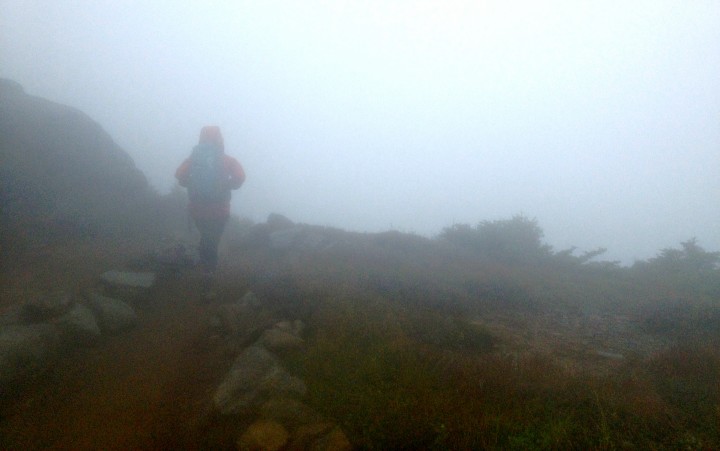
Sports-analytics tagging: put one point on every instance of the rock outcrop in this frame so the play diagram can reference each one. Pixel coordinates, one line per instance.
(62, 175)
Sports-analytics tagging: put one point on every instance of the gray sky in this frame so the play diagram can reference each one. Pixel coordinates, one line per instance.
(600, 119)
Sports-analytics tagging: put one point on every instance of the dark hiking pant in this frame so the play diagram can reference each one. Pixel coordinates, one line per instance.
(211, 229)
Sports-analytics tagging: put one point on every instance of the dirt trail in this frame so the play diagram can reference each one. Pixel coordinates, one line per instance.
(144, 389)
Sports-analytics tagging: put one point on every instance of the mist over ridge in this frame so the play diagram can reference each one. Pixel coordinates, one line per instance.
(315, 337)
(599, 122)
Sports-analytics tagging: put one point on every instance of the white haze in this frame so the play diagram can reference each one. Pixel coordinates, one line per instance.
(599, 119)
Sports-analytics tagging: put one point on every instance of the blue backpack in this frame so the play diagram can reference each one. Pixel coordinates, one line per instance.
(207, 175)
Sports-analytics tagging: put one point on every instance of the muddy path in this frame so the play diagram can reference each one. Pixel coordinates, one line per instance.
(148, 388)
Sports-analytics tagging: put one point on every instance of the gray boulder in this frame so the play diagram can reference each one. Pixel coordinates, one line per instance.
(62, 175)
(335, 440)
(255, 375)
(113, 315)
(323, 436)
(278, 340)
(240, 320)
(296, 327)
(78, 326)
(263, 435)
(289, 412)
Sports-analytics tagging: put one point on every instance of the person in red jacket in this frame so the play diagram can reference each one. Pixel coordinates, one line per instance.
(210, 175)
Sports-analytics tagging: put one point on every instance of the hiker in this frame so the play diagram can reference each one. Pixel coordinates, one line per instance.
(209, 175)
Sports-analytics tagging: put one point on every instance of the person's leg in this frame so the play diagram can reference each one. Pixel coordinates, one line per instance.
(210, 233)
(214, 231)
(204, 247)
(211, 230)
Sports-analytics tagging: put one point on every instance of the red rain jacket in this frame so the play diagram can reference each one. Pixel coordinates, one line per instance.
(213, 210)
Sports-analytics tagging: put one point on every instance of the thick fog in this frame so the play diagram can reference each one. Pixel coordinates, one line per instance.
(600, 119)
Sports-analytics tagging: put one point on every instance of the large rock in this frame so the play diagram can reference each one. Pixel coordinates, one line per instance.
(335, 440)
(62, 176)
(113, 315)
(242, 321)
(78, 326)
(263, 435)
(255, 375)
(26, 351)
(278, 340)
(289, 412)
(321, 436)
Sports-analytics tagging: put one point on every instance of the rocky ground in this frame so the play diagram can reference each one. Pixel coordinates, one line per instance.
(145, 361)
(138, 358)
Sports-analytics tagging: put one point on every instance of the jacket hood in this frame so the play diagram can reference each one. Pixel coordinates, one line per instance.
(210, 134)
